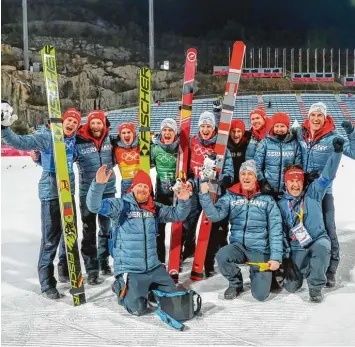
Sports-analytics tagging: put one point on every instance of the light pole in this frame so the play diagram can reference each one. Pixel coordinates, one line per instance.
(151, 34)
(25, 34)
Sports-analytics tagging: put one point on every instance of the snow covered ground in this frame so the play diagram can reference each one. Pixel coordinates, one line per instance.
(28, 319)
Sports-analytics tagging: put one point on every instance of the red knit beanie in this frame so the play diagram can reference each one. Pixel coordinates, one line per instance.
(97, 114)
(141, 177)
(281, 117)
(73, 113)
(129, 126)
(258, 111)
(293, 173)
(238, 124)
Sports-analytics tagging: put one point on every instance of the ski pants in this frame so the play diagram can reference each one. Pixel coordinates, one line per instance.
(311, 263)
(135, 301)
(52, 237)
(94, 257)
(229, 256)
(166, 197)
(329, 221)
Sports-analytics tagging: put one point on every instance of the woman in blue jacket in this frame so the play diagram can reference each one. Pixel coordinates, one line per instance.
(135, 217)
(48, 195)
(278, 149)
(256, 232)
(301, 208)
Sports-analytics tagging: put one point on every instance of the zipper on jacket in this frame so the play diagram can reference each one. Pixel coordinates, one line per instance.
(280, 172)
(246, 223)
(145, 245)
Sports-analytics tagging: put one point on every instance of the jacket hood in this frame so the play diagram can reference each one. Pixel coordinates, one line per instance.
(208, 142)
(238, 189)
(84, 133)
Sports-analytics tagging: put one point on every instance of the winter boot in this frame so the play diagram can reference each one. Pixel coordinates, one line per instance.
(93, 279)
(63, 273)
(52, 293)
(105, 269)
(232, 292)
(316, 295)
(331, 281)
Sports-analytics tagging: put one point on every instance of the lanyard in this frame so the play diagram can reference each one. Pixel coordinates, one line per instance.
(299, 215)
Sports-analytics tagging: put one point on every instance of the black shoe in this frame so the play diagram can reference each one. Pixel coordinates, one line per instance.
(63, 279)
(316, 295)
(93, 279)
(331, 281)
(106, 270)
(232, 292)
(52, 293)
(210, 273)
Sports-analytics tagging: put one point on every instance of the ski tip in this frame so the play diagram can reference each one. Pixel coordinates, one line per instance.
(191, 55)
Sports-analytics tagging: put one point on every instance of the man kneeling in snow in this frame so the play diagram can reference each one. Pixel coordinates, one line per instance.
(135, 219)
(301, 208)
(256, 232)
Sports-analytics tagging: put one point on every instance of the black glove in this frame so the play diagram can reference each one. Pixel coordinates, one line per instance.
(225, 181)
(338, 143)
(265, 187)
(309, 177)
(348, 127)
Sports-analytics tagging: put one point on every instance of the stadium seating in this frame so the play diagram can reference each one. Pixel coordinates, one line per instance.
(244, 104)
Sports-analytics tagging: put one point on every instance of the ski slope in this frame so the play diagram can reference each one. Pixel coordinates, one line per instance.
(29, 319)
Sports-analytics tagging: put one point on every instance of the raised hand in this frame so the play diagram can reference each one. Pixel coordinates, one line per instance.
(338, 144)
(7, 118)
(204, 187)
(183, 194)
(101, 176)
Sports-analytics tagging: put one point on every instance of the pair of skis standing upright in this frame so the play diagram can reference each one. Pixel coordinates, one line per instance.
(65, 197)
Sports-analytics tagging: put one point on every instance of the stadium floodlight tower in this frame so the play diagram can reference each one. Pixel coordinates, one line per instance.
(151, 34)
(25, 34)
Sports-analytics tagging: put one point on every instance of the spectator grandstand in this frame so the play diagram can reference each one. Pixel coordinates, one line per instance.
(244, 104)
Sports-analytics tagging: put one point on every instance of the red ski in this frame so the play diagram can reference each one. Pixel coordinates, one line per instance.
(230, 95)
(183, 154)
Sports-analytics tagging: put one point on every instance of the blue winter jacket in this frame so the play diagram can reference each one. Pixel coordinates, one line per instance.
(251, 149)
(134, 236)
(312, 196)
(255, 223)
(42, 141)
(272, 155)
(316, 153)
(89, 160)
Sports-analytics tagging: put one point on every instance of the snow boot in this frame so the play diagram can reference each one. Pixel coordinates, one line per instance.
(93, 279)
(331, 281)
(316, 295)
(52, 293)
(105, 269)
(232, 292)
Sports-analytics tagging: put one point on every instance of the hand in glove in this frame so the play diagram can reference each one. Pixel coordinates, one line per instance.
(348, 127)
(208, 169)
(217, 105)
(309, 177)
(266, 188)
(7, 118)
(225, 181)
(338, 144)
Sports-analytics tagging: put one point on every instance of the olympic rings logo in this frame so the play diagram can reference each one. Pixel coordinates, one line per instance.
(130, 156)
(166, 158)
(202, 150)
